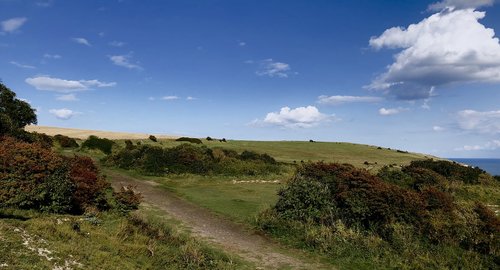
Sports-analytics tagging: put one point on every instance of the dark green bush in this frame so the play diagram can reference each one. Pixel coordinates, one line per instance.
(65, 141)
(187, 158)
(103, 144)
(451, 170)
(153, 138)
(191, 140)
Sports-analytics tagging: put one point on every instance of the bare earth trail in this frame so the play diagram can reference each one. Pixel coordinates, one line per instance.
(232, 237)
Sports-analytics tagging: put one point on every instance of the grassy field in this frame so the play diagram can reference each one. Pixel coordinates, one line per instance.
(84, 134)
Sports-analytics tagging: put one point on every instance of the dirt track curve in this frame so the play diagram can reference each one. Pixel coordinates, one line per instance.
(228, 235)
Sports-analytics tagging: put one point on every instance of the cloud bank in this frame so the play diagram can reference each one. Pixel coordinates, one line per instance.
(449, 47)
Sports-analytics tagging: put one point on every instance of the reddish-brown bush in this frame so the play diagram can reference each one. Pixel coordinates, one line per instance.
(90, 186)
(127, 199)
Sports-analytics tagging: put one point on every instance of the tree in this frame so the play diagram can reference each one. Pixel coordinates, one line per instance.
(14, 113)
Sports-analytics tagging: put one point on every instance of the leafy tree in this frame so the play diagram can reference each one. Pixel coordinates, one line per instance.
(14, 113)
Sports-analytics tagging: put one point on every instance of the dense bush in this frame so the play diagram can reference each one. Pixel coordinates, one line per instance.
(103, 144)
(127, 199)
(34, 177)
(187, 158)
(191, 140)
(65, 141)
(153, 138)
(451, 170)
(90, 187)
(320, 196)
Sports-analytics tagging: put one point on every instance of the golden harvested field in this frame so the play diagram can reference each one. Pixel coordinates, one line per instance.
(84, 134)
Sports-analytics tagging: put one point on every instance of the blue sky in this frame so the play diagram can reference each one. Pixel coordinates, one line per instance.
(421, 76)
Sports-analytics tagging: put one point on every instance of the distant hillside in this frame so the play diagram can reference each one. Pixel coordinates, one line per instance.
(83, 134)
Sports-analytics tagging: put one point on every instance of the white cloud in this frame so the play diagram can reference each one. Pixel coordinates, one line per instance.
(460, 4)
(450, 47)
(335, 100)
(13, 24)
(170, 97)
(21, 65)
(271, 68)
(123, 61)
(45, 3)
(63, 114)
(190, 98)
(242, 43)
(117, 43)
(491, 145)
(82, 41)
(65, 86)
(481, 122)
(52, 56)
(438, 128)
(301, 117)
(68, 97)
(391, 111)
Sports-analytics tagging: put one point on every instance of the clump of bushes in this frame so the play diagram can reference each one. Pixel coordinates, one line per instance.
(65, 141)
(187, 158)
(451, 170)
(127, 199)
(407, 212)
(103, 144)
(191, 140)
(153, 138)
(35, 177)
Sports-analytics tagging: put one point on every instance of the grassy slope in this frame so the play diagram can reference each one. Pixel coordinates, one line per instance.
(46, 241)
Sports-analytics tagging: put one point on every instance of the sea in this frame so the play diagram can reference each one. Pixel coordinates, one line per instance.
(491, 165)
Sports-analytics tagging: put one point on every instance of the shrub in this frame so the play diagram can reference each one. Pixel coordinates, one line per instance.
(191, 140)
(450, 170)
(153, 138)
(153, 161)
(103, 144)
(34, 177)
(90, 186)
(250, 155)
(187, 158)
(127, 199)
(129, 145)
(65, 141)
(209, 138)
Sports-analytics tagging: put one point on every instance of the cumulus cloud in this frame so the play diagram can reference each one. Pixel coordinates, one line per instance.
(390, 111)
(82, 41)
(301, 117)
(13, 24)
(68, 97)
(63, 114)
(65, 86)
(170, 97)
(460, 4)
(271, 68)
(336, 100)
(481, 122)
(21, 65)
(124, 61)
(449, 47)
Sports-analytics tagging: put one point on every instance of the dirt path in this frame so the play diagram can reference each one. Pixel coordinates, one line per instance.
(232, 237)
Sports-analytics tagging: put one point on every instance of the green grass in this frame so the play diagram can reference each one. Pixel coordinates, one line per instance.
(114, 242)
(238, 201)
